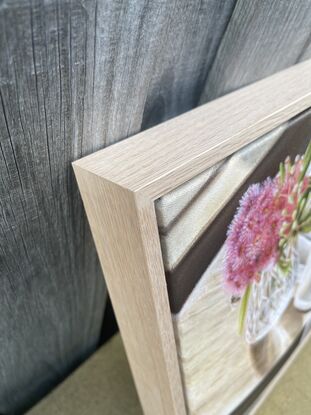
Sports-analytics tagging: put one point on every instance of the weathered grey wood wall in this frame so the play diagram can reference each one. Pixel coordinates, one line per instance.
(75, 76)
(262, 37)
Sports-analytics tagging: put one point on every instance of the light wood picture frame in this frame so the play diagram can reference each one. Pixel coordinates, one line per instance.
(121, 187)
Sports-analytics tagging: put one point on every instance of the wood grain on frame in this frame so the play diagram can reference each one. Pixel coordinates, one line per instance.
(119, 186)
(157, 160)
(125, 233)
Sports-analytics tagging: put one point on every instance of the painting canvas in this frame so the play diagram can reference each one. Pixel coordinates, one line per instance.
(237, 260)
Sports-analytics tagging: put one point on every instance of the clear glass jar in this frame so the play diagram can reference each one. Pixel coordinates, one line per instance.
(269, 298)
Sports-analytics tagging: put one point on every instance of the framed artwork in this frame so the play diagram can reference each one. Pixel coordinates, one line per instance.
(203, 229)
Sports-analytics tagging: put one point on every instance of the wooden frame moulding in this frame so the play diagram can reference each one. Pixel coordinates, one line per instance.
(119, 185)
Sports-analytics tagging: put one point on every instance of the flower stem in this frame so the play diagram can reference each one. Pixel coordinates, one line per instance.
(306, 162)
(243, 308)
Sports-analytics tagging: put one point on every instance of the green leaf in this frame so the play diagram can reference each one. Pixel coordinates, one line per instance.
(303, 202)
(243, 308)
(306, 220)
(306, 216)
(284, 264)
(306, 162)
(282, 172)
(306, 228)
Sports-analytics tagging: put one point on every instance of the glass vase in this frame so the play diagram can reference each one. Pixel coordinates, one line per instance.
(269, 298)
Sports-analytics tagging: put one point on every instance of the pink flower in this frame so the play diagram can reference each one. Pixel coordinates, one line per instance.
(253, 237)
(290, 192)
(265, 215)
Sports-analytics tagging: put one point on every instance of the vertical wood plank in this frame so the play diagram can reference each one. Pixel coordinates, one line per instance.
(262, 37)
(52, 293)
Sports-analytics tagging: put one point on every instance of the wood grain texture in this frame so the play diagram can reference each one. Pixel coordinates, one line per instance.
(125, 232)
(262, 37)
(52, 294)
(119, 186)
(76, 76)
(158, 160)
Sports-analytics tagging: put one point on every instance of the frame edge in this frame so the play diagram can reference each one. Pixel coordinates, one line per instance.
(124, 229)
